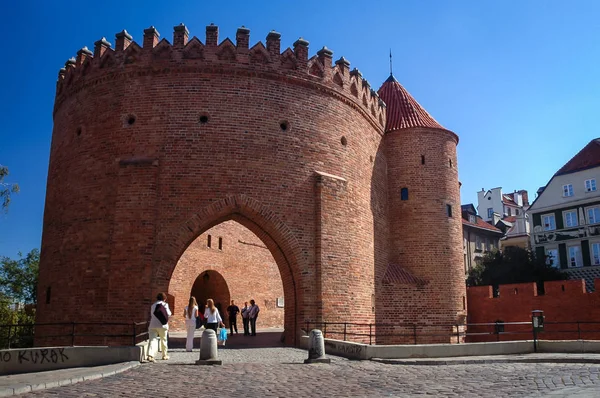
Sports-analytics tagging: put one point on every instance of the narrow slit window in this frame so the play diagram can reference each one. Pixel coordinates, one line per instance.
(404, 194)
(208, 241)
(449, 210)
(220, 243)
(48, 294)
(422, 159)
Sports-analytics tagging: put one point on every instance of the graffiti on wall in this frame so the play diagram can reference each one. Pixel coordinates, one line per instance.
(345, 349)
(35, 356)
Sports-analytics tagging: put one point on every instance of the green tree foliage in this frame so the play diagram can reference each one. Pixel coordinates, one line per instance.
(16, 330)
(18, 286)
(513, 265)
(6, 189)
(18, 278)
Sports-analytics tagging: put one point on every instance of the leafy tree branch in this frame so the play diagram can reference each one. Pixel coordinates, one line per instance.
(19, 278)
(6, 189)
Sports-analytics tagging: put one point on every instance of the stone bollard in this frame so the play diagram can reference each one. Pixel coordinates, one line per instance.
(316, 348)
(208, 349)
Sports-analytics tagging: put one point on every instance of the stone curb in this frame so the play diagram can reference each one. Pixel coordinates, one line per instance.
(436, 362)
(93, 374)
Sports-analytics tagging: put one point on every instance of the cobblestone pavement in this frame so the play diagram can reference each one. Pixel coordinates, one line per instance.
(279, 372)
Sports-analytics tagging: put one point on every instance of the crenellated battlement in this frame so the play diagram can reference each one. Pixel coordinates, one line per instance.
(551, 288)
(262, 59)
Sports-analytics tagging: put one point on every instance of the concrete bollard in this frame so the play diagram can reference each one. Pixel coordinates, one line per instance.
(208, 349)
(316, 348)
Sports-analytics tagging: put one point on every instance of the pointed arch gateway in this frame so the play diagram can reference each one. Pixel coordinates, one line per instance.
(261, 221)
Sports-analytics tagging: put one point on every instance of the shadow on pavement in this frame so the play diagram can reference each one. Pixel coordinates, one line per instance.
(263, 339)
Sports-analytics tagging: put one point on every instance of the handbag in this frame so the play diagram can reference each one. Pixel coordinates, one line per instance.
(199, 320)
(223, 334)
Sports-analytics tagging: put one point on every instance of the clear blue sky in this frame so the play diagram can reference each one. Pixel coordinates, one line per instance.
(518, 81)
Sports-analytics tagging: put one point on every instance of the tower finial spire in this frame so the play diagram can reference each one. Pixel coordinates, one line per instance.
(391, 72)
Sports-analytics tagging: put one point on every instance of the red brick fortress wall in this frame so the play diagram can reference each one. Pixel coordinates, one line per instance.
(154, 144)
(563, 301)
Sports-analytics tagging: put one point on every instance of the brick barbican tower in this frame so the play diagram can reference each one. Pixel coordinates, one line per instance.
(425, 230)
(352, 194)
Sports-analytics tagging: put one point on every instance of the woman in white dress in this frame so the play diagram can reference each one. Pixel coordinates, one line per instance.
(190, 313)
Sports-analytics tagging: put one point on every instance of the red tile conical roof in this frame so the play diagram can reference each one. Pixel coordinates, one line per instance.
(403, 111)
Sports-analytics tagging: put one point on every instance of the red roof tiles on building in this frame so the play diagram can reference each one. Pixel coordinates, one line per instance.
(403, 111)
(587, 158)
(509, 199)
(481, 224)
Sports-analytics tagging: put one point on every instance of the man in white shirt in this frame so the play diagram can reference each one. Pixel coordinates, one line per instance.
(253, 315)
(157, 328)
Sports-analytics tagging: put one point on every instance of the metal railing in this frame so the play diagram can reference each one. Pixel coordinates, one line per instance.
(69, 333)
(410, 333)
(583, 329)
(415, 333)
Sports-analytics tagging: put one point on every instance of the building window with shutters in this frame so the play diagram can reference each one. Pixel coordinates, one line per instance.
(552, 257)
(548, 222)
(595, 248)
(590, 185)
(567, 190)
(574, 256)
(570, 218)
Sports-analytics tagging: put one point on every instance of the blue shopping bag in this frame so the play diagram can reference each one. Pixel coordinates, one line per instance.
(223, 334)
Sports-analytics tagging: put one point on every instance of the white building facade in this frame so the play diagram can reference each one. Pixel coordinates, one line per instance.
(507, 211)
(565, 217)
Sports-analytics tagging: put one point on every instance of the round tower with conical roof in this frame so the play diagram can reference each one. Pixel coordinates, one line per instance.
(424, 279)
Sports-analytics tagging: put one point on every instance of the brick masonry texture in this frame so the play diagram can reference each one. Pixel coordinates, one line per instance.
(562, 301)
(154, 145)
(243, 269)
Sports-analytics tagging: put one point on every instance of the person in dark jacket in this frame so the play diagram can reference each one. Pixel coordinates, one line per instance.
(232, 311)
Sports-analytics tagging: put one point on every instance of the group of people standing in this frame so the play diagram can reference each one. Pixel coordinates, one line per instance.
(210, 318)
(249, 315)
